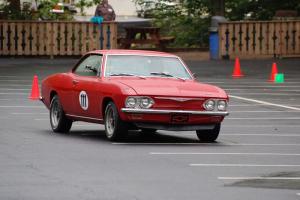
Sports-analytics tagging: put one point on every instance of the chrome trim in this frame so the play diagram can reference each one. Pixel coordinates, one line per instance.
(77, 116)
(153, 111)
(180, 99)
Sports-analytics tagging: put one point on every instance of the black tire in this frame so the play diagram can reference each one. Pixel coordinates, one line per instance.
(58, 120)
(209, 135)
(115, 128)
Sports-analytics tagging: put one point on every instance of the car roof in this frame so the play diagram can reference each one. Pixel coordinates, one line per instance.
(133, 52)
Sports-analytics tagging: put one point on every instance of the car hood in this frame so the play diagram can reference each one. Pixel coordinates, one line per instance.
(171, 87)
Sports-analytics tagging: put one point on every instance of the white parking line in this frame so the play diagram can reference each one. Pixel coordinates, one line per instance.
(264, 93)
(265, 111)
(41, 119)
(264, 102)
(298, 194)
(261, 126)
(14, 89)
(201, 144)
(238, 154)
(269, 90)
(15, 93)
(250, 105)
(263, 134)
(259, 178)
(22, 106)
(238, 165)
(260, 86)
(262, 118)
(29, 113)
(15, 80)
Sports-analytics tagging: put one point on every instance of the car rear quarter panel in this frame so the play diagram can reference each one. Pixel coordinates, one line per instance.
(61, 84)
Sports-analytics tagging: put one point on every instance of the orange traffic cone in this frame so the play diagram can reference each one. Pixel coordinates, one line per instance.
(273, 73)
(35, 93)
(237, 72)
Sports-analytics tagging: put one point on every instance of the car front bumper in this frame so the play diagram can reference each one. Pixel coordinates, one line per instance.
(157, 111)
(179, 120)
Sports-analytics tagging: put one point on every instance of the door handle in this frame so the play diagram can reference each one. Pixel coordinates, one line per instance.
(75, 82)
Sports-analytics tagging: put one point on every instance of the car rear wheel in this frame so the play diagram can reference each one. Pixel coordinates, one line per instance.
(115, 128)
(209, 135)
(58, 120)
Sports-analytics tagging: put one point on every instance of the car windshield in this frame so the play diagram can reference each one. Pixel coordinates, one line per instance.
(145, 66)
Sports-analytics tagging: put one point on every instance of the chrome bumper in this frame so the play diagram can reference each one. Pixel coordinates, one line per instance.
(191, 112)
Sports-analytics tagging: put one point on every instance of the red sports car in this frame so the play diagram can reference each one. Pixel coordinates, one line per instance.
(125, 89)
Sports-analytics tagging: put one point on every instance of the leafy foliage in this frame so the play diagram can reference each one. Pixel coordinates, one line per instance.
(188, 20)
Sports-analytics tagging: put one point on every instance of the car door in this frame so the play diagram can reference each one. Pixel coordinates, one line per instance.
(86, 84)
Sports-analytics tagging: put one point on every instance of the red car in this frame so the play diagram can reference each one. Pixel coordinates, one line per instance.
(125, 89)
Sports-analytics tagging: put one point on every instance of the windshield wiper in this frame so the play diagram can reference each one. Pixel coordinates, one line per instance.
(161, 74)
(126, 74)
(166, 75)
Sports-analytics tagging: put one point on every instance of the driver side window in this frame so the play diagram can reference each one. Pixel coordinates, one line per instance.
(90, 66)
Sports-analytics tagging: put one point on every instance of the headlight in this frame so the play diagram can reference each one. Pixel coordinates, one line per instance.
(222, 105)
(139, 102)
(131, 102)
(146, 102)
(209, 105)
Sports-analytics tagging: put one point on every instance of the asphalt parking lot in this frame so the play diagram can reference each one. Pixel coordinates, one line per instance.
(256, 156)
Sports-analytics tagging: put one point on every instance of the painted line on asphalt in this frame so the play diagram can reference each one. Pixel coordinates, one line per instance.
(265, 135)
(238, 165)
(259, 178)
(41, 119)
(251, 105)
(15, 80)
(281, 90)
(14, 89)
(260, 86)
(22, 107)
(201, 144)
(250, 134)
(262, 118)
(264, 102)
(270, 94)
(29, 113)
(265, 111)
(238, 154)
(15, 93)
(9, 76)
(261, 126)
(14, 85)
(298, 194)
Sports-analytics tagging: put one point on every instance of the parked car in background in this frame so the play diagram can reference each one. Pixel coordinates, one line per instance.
(125, 89)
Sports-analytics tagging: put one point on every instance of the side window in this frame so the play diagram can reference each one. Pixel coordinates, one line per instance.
(90, 66)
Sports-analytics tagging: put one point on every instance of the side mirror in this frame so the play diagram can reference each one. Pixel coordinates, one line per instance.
(91, 68)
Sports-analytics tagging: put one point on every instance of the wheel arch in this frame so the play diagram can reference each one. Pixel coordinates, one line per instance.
(105, 102)
(52, 94)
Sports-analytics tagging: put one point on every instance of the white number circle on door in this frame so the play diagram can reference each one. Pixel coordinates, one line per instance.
(83, 100)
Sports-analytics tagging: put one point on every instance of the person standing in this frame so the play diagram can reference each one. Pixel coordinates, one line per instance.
(106, 11)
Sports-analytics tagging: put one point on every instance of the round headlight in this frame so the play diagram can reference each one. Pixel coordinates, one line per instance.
(222, 105)
(209, 105)
(131, 102)
(146, 102)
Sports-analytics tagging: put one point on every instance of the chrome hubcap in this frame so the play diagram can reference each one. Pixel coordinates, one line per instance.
(55, 114)
(110, 122)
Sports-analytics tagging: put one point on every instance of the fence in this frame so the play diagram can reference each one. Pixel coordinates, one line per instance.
(55, 38)
(259, 38)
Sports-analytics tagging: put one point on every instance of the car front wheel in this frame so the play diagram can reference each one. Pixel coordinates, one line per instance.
(209, 135)
(115, 128)
(58, 120)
